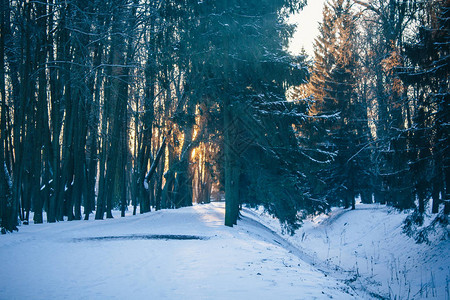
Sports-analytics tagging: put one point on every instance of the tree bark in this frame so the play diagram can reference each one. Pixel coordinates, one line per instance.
(232, 169)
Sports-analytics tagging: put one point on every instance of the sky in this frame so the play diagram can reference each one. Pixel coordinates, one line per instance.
(307, 27)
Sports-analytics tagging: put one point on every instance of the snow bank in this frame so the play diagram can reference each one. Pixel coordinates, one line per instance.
(368, 245)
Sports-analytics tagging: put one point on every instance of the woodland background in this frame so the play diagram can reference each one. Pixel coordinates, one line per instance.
(156, 104)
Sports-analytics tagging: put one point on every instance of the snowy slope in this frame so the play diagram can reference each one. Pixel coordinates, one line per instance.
(367, 247)
(144, 257)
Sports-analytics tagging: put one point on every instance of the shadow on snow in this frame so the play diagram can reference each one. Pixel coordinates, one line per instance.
(142, 237)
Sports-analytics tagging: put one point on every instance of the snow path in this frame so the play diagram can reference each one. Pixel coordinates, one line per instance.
(69, 260)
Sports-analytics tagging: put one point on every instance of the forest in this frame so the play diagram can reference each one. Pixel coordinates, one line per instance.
(150, 104)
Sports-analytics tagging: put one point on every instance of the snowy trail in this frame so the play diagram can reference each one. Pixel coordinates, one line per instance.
(69, 260)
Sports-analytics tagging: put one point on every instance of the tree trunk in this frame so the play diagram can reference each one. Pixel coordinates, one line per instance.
(8, 204)
(436, 189)
(232, 170)
(183, 192)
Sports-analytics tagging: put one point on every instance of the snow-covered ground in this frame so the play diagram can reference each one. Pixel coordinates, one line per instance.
(143, 257)
(366, 248)
(189, 254)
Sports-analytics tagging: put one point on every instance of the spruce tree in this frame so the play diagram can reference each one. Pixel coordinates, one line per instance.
(236, 55)
(333, 84)
(427, 73)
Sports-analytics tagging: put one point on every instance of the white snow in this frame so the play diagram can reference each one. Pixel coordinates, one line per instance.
(359, 254)
(62, 261)
(367, 246)
(146, 184)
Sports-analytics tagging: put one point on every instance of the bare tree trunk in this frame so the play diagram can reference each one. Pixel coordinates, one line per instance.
(41, 193)
(94, 118)
(232, 170)
(8, 204)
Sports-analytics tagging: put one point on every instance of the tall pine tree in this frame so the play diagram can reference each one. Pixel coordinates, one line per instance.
(337, 107)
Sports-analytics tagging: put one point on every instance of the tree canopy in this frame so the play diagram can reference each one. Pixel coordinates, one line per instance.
(158, 104)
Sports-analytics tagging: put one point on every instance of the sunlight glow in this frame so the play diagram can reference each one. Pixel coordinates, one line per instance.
(307, 27)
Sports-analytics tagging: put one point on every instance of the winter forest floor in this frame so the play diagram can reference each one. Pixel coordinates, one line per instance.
(189, 254)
